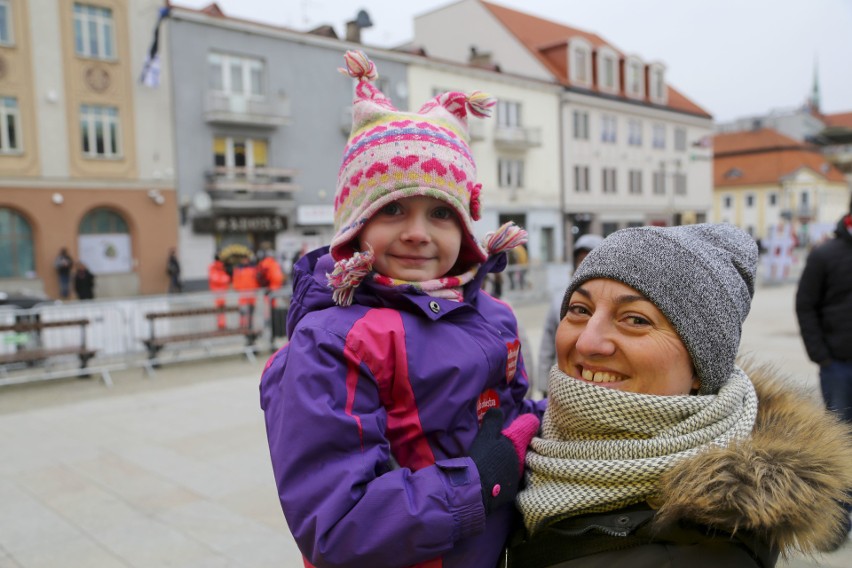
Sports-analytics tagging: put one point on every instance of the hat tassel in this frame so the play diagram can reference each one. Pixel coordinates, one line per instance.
(507, 237)
(359, 66)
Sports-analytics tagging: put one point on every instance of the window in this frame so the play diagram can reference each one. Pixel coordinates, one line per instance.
(6, 37)
(581, 125)
(680, 139)
(10, 140)
(102, 222)
(607, 70)
(609, 126)
(237, 75)
(727, 202)
(510, 173)
(659, 136)
(508, 114)
(99, 131)
(94, 33)
(634, 132)
(608, 228)
(635, 177)
(580, 62)
(749, 200)
(657, 86)
(679, 183)
(581, 179)
(634, 82)
(239, 153)
(659, 183)
(608, 179)
(16, 245)
(773, 199)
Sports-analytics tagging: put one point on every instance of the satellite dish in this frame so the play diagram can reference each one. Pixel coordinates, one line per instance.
(362, 20)
(201, 202)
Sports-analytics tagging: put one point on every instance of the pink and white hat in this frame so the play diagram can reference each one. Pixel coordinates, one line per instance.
(392, 154)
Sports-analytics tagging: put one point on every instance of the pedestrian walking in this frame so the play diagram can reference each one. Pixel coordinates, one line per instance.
(63, 265)
(173, 271)
(84, 281)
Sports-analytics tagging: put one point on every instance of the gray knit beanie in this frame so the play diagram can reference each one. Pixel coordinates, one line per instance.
(700, 276)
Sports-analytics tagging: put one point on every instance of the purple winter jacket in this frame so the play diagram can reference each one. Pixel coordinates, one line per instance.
(370, 410)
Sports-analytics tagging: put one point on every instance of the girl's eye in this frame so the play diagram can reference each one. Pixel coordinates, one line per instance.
(443, 213)
(391, 209)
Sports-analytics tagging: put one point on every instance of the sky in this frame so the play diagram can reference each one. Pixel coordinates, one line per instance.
(734, 58)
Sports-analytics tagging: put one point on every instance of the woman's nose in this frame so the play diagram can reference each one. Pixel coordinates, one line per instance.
(596, 339)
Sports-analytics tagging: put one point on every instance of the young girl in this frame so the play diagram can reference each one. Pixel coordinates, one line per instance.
(396, 356)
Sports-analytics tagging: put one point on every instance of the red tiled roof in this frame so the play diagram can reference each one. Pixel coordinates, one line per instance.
(752, 140)
(548, 40)
(770, 166)
(839, 120)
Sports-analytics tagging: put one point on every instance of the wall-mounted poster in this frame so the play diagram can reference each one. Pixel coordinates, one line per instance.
(106, 253)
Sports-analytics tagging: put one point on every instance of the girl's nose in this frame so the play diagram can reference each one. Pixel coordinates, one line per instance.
(416, 230)
(595, 339)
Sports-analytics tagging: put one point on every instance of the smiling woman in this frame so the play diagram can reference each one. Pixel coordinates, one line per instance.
(655, 447)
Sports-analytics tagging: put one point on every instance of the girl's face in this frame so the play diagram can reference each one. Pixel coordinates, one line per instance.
(414, 239)
(614, 337)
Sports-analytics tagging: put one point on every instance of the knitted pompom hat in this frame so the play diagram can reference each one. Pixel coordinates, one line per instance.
(391, 155)
(700, 276)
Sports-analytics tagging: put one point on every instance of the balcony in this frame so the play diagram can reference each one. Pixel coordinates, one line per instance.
(222, 108)
(235, 187)
(517, 137)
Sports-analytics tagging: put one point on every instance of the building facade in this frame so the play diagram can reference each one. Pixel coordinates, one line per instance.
(634, 150)
(86, 152)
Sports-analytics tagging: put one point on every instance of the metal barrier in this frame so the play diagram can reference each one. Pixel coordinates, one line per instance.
(116, 331)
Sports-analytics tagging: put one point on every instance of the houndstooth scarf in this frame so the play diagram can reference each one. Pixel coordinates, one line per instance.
(602, 449)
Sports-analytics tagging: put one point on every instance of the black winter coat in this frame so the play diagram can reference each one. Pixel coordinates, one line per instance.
(736, 506)
(824, 299)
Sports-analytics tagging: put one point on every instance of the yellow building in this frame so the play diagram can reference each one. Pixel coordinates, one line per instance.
(86, 151)
(763, 178)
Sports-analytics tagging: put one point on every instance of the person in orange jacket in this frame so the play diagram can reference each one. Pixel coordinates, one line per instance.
(244, 278)
(269, 273)
(218, 280)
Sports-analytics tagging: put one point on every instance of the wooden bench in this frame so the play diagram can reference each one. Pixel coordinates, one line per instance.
(30, 351)
(155, 343)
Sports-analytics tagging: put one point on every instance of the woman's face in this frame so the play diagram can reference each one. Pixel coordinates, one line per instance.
(614, 337)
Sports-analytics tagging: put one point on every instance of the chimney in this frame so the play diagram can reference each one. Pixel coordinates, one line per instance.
(354, 27)
(478, 59)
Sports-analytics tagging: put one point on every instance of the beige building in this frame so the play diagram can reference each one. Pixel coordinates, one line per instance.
(86, 151)
(763, 178)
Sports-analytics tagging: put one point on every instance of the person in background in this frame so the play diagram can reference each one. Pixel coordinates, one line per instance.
(218, 281)
(396, 355)
(244, 281)
(824, 312)
(63, 265)
(173, 271)
(656, 449)
(84, 281)
(547, 349)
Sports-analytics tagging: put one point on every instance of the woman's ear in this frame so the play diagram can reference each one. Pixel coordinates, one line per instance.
(696, 385)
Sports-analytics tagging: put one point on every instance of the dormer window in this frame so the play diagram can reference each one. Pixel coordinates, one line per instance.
(580, 62)
(733, 173)
(634, 78)
(657, 83)
(607, 70)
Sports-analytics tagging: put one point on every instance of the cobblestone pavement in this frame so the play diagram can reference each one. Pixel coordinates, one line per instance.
(173, 470)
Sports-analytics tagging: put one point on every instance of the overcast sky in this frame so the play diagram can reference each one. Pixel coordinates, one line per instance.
(733, 57)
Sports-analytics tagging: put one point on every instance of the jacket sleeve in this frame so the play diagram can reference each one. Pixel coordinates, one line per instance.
(345, 501)
(808, 303)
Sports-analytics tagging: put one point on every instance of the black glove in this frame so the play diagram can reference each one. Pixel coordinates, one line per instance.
(497, 461)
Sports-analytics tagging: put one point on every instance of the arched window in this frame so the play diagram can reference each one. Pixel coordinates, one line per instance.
(104, 242)
(16, 245)
(102, 221)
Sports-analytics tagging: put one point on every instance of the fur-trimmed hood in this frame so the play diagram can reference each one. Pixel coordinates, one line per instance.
(784, 484)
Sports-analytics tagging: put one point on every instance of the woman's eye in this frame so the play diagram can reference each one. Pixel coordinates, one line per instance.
(637, 320)
(578, 309)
